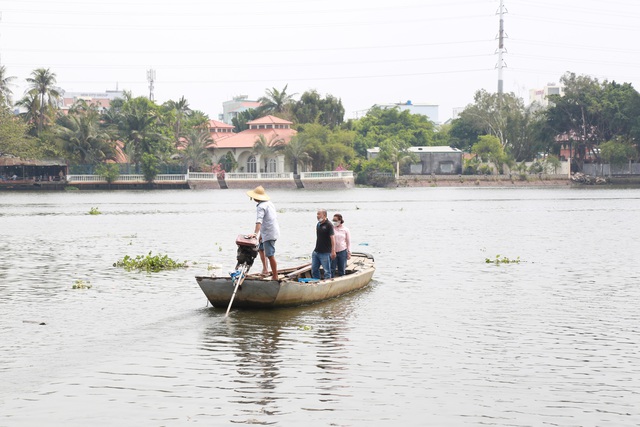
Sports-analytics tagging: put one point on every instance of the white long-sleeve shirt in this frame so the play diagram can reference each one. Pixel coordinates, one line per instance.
(267, 217)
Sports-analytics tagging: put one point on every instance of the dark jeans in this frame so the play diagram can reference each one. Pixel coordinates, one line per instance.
(318, 259)
(339, 263)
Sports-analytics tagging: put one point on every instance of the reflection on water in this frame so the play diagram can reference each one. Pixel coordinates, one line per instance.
(269, 350)
(439, 338)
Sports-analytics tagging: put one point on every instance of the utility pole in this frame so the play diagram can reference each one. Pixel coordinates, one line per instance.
(151, 77)
(501, 49)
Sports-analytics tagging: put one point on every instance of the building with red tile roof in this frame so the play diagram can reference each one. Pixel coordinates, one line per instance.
(220, 130)
(240, 145)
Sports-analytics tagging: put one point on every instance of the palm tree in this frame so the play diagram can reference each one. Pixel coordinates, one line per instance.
(31, 103)
(295, 152)
(397, 153)
(80, 135)
(276, 101)
(266, 149)
(137, 129)
(198, 119)
(42, 90)
(5, 90)
(195, 153)
(181, 110)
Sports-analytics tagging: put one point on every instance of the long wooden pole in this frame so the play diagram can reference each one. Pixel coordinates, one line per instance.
(238, 279)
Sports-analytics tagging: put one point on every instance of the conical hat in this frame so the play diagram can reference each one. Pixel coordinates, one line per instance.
(258, 193)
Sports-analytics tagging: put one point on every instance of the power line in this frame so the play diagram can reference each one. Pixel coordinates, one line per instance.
(249, 51)
(182, 65)
(217, 13)
(371, 76)
(305, 25)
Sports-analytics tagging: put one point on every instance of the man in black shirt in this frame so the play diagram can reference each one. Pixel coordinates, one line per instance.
(325, 249)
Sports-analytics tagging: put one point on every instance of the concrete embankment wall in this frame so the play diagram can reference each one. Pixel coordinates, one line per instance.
(203, 185)
(328, 184)
(250, 184)
(483, 181)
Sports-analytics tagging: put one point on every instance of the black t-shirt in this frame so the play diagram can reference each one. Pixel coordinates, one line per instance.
(324, 231)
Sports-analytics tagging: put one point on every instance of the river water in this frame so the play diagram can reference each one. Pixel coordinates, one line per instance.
(440, 338)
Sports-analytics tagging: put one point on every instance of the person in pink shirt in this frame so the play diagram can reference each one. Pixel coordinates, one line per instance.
(343, 246)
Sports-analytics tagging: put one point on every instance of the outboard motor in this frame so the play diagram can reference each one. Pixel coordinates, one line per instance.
(247, 250)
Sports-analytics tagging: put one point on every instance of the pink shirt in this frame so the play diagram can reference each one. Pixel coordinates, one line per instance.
(343, 238)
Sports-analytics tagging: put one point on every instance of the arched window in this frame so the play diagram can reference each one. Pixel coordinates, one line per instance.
(272, 166)
(251, 164)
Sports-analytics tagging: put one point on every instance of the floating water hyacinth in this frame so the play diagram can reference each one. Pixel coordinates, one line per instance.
(149, 263)
(504, 260)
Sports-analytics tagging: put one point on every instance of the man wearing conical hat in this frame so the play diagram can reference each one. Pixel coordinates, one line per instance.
(267, 225)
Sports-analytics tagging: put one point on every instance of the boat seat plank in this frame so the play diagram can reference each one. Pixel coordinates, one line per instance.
(302, 270)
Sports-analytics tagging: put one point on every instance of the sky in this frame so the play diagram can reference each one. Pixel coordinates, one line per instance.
(364, 52)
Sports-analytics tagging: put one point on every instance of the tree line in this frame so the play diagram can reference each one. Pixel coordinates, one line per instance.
(600, 120)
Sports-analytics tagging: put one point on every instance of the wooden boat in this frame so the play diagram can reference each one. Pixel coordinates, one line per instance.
(293, 287)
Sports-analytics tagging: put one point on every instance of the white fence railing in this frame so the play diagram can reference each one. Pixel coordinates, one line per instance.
(125, 178)
(256, 176)
(326, 174)
(202, 176)
(205, 176)
(85, 178)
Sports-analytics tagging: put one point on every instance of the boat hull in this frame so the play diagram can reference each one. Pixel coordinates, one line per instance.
(257, 292)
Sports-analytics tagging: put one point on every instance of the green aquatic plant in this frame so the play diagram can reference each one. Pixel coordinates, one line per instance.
(149, 263)
(81, 284)
(305, 327)
(504, 260)
(94, 211)
(71, 188)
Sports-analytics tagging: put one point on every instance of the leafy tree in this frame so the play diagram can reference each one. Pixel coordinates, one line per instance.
(618, 152)
(109, 171)
(464, 132)
(150, 166)
(5, 87)
(519, 129)
(14, 138)
(591, 112)
(489, 149)
(327, 148)
(311, 108)
(384, 123)
(376, 172)
(43, 95)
